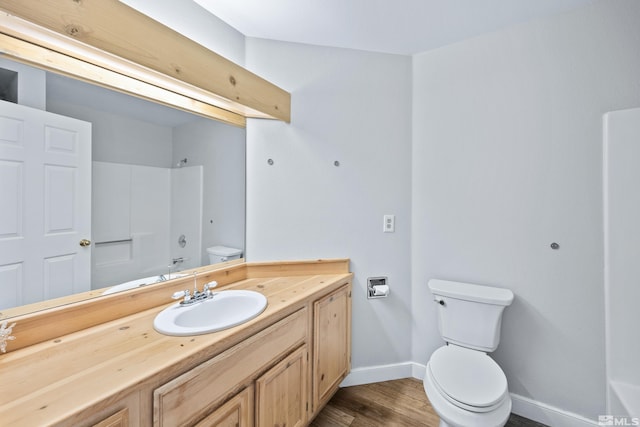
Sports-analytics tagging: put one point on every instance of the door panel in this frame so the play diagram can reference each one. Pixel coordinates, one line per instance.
(58, 277)
(58, 200)
(11, 194)
(11, 284)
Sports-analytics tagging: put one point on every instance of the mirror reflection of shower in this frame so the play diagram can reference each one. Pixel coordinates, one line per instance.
(181, 163)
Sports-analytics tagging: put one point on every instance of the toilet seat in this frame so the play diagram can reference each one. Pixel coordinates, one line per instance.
(468, 379)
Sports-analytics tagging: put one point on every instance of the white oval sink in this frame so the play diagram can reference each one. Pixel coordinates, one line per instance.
(224, 310)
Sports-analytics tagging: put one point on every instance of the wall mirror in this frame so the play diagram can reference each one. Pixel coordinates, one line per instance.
(165, 185)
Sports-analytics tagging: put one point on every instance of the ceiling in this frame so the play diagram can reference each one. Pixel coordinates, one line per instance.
(402, 27)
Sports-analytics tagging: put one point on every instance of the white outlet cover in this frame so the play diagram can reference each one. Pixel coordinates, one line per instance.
(389, 225)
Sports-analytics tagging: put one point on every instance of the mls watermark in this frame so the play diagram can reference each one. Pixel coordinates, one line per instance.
(614, 420)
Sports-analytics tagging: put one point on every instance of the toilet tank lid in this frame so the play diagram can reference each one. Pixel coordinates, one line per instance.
(471, 292)
(223, 251)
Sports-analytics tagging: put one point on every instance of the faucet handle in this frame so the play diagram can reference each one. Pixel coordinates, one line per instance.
(209, 286)
(180, 294)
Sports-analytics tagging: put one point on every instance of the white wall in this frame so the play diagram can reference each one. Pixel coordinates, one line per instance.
(353, 107)
(120, 139)
(31, 84)
(507, 154)
(221, 150)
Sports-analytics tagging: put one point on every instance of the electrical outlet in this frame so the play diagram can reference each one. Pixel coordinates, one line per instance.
(389, 224)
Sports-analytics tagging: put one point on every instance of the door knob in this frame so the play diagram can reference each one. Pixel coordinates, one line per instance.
(85, 242)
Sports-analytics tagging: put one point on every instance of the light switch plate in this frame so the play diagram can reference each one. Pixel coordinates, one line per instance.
(389, 224)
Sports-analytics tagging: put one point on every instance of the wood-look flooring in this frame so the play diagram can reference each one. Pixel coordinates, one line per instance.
(401, 403)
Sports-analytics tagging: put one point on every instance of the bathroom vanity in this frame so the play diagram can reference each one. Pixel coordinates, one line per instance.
(111, 368)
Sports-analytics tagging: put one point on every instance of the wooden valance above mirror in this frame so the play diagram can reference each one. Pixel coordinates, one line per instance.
(108, 43)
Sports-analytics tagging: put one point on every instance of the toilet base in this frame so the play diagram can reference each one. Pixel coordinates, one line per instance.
(453, 416)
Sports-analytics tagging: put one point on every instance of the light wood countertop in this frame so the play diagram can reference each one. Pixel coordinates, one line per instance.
(48, 382)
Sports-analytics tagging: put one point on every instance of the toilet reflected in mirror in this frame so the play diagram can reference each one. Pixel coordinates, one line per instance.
(219, 254)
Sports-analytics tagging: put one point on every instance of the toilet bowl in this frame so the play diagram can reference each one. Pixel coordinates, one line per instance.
(467, 389)
(465, 386)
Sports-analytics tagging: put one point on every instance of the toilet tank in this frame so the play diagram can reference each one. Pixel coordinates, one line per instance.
(219, 254)
(470, 315)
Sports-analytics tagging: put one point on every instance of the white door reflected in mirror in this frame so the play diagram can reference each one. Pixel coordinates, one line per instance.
(45, 188)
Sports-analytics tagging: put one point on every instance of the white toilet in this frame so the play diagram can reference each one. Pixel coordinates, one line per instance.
(219, 254)
(465, 386)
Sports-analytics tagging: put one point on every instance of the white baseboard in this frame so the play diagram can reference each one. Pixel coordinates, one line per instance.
(419, 370)
(376, 374)
(522, 406)
(547, 414)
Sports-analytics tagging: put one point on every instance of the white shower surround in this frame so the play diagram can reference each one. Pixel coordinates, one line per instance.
(143, 210)
(622, 269)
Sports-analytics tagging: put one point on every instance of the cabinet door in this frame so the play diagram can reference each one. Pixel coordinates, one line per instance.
(237, 412)
(332, 344)
(282, 393)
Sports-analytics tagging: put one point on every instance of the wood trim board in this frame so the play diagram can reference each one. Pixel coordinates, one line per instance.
(114, 36)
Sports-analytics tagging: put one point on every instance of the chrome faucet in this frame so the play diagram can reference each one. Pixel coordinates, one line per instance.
(197, 296)
(163, 278)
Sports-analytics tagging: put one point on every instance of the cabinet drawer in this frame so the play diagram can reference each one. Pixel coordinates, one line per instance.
(191, 396)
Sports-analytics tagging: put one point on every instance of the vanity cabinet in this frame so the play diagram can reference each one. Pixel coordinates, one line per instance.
(332, 344)
(269, 379)
(198, 393)
(278, 369)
